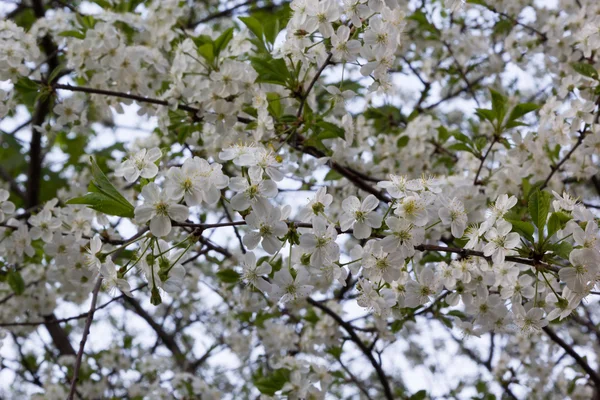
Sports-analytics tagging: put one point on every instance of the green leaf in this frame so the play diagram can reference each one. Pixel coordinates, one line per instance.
(207, 51)
(446, 321)
(25, 85)
(557, 221)
(514, 124)
(333, 175)
(102, 196)
(56, 72)
(86, 21)
(499, 103)
(104, 4)
(73, 33)
(402, 141)
(271, 70)
(103, 204)
(523, 228)
(16, 283)
(262, 317)
(562, 249)
(420, 395)
(457, 313)
(585, 69)
(485, 115)
(480, 142)
(461, 147)
(255, 27)
(333, 129)
(539, 206)
(228, 275)
(461, 137)
(522, 109)
(274, 105)
(503, 27)
(335, 351)
(222, 41)
(443, 134)
(273, 382)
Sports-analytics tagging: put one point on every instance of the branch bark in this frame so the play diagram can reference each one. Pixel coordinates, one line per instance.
(86, 332)
(354, 337)
(578, 359)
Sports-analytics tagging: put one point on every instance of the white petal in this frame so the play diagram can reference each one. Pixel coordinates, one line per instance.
(370, 203)
(151, 193)
(178, 212)
(160, 225)
(251, 240)
(143, 213)
(361, 230)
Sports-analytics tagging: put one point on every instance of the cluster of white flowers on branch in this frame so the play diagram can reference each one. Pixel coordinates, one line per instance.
(467, 203)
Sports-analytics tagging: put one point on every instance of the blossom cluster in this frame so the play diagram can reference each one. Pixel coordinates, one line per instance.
(295, 175)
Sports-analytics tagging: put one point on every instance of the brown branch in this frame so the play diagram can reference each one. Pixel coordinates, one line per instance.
(199, 362)
(14, 186)
(57, 333)
(138, 98)
(342, 170)
(35, 378)
(556, 167)
(167, 339)
(312, 84)
(578, 359)
(42, 109)
(86, 332)
(421, 247)
(463, 75)
(355, 379)
(62, 320)
(235, 229)
(542, 35)
(354, 337)
(18, 127)
(453, 94)
(487, 364)
(230, 11)
(476, 181)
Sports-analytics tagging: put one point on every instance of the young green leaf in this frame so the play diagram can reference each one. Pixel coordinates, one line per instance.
(557, 221)
(102, 196)
(499, 103)
(222, 41)
(539, 206)
(273, 382)
(16, 283)
(522, 109)
(228, 276)
(523, 228)
(585, 69)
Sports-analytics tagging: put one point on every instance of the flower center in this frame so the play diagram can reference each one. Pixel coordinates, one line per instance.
(162, 208)
(265, 230)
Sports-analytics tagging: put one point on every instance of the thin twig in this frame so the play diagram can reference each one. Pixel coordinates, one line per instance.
(578, 359)
(141, 99)
(312, 84)
(86, 332)
(75, 317)
(354, 337)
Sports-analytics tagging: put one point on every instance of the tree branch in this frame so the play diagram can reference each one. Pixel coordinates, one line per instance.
(354, 337)
(556, 167)
(578, 359)
(138, 98)
(86, 332)
(168, 340)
